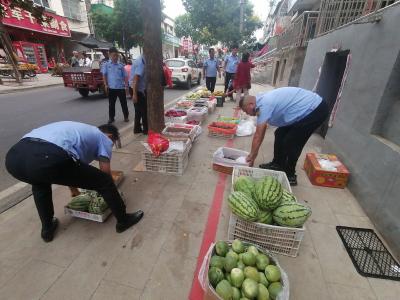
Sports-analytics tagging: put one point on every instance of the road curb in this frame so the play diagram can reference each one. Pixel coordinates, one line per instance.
(24, 89)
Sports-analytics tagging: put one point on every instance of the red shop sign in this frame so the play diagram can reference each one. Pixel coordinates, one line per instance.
(17, 17)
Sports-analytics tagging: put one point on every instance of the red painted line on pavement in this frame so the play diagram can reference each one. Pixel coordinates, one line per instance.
(210, 231)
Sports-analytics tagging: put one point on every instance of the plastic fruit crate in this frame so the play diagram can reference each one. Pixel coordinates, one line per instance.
(210, 293)
(276, 239)
(181, 131)
(197, 113)
(168, 163)
(182, 119)
(222, 130)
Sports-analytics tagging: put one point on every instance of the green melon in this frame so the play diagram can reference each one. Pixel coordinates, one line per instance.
(265, 217)
(291, 214)
(268, 193)
(244, 184)
(243, 206)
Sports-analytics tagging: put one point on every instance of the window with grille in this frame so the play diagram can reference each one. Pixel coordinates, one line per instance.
(44, 3)
(72, 9)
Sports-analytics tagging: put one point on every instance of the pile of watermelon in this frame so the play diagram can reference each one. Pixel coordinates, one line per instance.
(89, 201)
(266, 201)
(241, 271)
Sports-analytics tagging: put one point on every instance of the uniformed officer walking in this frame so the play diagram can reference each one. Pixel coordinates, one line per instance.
(210, 70)
(231, 63)
(139, 97)
(114, 77)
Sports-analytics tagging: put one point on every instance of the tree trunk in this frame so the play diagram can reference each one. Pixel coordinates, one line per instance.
(9, 50)
(152, 49)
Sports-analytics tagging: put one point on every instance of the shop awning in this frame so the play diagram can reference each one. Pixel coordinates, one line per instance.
(91, 42)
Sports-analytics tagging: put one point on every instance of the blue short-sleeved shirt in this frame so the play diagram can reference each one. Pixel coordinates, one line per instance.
(82, 141)
(211, 66)
(139, 68)
(231, 63)
(131, 74)
(115, 73)
(285, 106)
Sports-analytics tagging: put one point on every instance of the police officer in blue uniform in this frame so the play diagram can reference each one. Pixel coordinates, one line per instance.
(210, 70)
(231, 63)
(114, 77)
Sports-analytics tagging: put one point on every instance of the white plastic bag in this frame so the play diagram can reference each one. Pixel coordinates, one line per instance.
(245, 128)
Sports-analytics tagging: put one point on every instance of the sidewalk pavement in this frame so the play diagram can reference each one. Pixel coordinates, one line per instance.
(157, 258)
(41, 80)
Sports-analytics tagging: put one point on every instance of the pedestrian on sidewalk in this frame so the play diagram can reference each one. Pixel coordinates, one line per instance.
(139, 97)
(61, 153)
(231, 63)
(74, 62)
(85, 61)
(210, 70)
(128, 68)
(115, 84)
(296, 112)
(242, 81)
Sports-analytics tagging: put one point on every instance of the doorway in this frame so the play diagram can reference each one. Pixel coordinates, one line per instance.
(330, 81)
(276, 72)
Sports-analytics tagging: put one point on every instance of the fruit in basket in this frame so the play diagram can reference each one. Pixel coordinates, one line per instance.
(221, 248)
(217, 261)
(265, 217)
(262, 261)
(232, 254)
(249, 259)
(215, 275)
(229, 264)
(253, 249)
(243, 206)
(237, 277)
(287, 197)
(252, 273)
(97, 205)
(175, 113)
(244, 184)
(268, 193)
(274, 289)
(263, 279)
(263, 293)
(238, 246)
(80, 202)
(241, 265)
(250, 288)
(272, 273)
(291, 214)
(224, 290)
(236, 293)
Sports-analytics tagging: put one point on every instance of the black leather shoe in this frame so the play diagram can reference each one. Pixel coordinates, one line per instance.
(131, 219)
(292, 180)
(110, 121)
(48, 233)
(271, 166)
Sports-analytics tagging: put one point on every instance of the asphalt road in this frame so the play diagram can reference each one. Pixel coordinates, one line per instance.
(22, 111)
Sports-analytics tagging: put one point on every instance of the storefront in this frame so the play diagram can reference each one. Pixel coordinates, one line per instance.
(40, 44)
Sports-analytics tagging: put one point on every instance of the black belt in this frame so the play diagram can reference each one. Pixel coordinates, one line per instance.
(33, 139)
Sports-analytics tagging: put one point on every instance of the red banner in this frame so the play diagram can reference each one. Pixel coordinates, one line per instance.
(17, 17)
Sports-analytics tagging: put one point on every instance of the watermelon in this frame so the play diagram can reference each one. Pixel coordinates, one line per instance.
(274, 289)
(287, 197)
(244, 184)
(291, 214)
(265, 217)
(215, 275)
(268, 193)
(224, 290)
(80, 202)
(243, 206)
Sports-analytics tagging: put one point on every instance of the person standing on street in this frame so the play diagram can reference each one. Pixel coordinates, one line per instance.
(75, 59)
(114, 78)
(61, 153)
(242, 81)
(210, 70)
(128, 68)
(296, 112)
(231, 63)
(138, 79)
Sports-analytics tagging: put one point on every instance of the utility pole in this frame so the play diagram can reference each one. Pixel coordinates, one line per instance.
(242, 2)
(152, 49)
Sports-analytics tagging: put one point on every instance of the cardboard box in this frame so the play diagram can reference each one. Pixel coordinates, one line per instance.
(224, 159)
(335, 176)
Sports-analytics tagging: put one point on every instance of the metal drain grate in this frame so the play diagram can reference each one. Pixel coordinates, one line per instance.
(368, 254)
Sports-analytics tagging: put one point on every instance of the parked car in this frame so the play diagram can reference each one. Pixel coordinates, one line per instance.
(185, 72)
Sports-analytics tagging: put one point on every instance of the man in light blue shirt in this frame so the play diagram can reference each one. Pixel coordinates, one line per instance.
(210, 70)
(139, 97)
(231, 63)
(296, 112)
(114, 78)
(61, 153)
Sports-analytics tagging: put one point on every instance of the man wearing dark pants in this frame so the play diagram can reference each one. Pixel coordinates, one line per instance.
(231, 63)
(60, 153)
(210, 70)
(114, 77)
(297, 113)
(139, 98)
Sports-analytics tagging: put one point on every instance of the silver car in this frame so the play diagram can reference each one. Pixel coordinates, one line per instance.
(185, 72)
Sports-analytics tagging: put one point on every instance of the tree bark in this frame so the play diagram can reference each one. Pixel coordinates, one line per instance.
(152, 50)
(9, 50)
